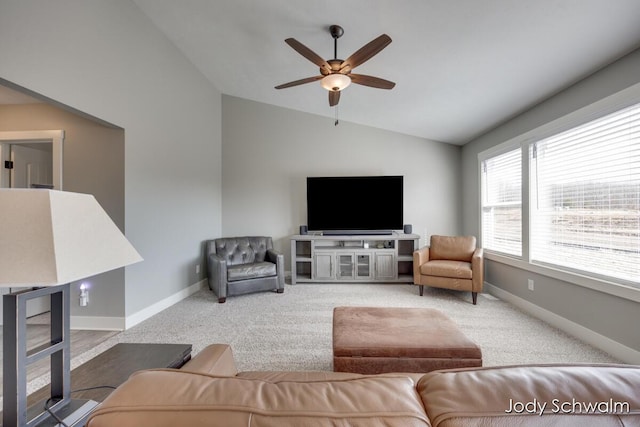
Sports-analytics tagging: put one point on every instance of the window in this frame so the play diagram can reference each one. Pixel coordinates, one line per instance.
(502, 203)
(585, 197)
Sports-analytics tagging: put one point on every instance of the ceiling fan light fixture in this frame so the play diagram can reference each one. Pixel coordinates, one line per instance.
(335, 82)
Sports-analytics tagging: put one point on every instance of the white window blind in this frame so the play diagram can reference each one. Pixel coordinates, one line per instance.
(585, 197)
(502, 203)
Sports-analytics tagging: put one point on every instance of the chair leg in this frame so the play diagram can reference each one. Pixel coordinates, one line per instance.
(421, 290)
(222, 300)
(474, 296)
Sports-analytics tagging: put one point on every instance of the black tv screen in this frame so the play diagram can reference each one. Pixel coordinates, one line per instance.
(355, 204)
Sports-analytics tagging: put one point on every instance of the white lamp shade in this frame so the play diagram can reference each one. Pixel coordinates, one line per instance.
(335, 82)
(50, 237)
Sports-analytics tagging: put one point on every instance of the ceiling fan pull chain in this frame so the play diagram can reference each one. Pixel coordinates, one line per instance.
(336, 122)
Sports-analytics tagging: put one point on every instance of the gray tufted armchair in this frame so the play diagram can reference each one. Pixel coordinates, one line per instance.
(240, 265)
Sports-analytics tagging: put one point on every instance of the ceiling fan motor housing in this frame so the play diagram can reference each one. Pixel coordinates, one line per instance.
(335, 67)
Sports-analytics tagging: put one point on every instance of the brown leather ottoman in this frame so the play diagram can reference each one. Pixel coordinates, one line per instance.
(373, 340)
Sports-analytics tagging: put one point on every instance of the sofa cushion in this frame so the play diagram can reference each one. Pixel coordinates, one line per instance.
(176, 398)
(250, 271)
(445, 268)
(533, 396)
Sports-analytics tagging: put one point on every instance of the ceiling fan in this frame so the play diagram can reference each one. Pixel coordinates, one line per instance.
(335, 74)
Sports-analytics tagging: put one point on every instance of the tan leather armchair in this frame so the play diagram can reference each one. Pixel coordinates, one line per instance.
(451, 262)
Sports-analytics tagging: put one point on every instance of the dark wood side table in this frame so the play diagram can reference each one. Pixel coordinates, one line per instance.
(114, 366)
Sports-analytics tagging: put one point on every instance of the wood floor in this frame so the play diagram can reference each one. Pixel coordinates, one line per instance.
(38, 333)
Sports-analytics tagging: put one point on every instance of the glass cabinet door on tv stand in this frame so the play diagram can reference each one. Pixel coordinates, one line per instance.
(364, 265)
(354, 266)
(345, 265)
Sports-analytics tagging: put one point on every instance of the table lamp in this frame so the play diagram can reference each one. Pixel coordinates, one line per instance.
(49, 239)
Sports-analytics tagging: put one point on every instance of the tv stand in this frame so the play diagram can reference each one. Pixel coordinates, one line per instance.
(353, 258)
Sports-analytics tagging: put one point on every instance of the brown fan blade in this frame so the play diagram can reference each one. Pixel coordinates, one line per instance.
(308, 53)
(334, 97)
(299, 82)
(371, 81)
(365, 53)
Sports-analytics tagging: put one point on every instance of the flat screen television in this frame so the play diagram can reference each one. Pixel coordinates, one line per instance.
(355, 204)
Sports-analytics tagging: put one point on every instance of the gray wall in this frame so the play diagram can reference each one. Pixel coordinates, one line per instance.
(107, 59)
(610, 316)
(269, 151)
(93, 162)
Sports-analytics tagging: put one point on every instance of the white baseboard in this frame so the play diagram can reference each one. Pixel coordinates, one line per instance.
(96, 323)
(614, 348)
(121, 323)
(156, 308)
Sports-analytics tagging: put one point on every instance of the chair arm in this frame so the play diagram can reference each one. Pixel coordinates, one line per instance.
(420, 256)
(217, 275)
(477, 269)
(278, 259)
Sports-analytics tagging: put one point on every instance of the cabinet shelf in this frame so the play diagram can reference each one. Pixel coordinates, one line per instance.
(335, 259)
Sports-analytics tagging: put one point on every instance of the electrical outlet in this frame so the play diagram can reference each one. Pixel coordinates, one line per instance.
(197, 268)
(530, 284)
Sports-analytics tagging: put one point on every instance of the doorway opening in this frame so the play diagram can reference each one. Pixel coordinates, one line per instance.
(31, 159)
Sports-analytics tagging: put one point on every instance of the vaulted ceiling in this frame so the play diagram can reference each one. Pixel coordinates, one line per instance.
(461, 67)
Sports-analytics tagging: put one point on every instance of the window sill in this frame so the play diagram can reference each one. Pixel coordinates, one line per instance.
(607, 287)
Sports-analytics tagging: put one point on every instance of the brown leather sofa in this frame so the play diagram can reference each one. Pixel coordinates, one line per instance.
(208, 391)
(451, 262)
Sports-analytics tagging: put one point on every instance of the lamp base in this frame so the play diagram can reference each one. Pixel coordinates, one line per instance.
(17, 357)
(73, 414)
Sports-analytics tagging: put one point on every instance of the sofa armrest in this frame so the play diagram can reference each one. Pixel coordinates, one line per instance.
(215, 359)
(420, 256)
(272, 256)
(477, 268)
(217, 275)
(278, 259)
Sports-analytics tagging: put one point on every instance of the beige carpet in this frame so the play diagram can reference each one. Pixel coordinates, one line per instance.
(292, 331)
